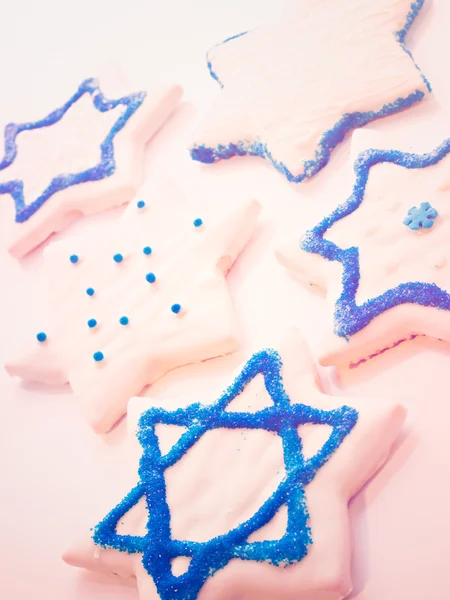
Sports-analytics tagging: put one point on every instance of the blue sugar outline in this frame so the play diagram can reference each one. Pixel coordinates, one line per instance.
(208, 62)
(159, 548)
(331, 138)
(104, 168)
(349, 318)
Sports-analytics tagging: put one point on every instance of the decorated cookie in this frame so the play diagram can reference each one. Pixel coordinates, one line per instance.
(245, 497)
(293, 88)
(83, 157)
(149, 296)
(382, 257)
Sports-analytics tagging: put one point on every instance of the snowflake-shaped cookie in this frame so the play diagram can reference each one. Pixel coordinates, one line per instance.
(386, 278)
(146, 297)
(82, 158)
(292, 89)
(247, 497)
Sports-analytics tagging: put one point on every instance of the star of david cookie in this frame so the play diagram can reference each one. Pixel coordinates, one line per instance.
(246, 496)
(381, 257)
(293, 88)
(83, 157)
(151, 296)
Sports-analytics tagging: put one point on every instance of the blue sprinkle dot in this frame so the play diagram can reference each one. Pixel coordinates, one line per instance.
(147, 250)
(118, 258)
(74, 259)
(41, 336)
(90, 291)
(150, 277)
(98, 356)
(123, 320)
(175, 308)
(92, 323)
(141, 204)
(198, 223)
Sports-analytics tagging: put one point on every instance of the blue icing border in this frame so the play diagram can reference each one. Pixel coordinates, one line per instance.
(103, 169)
(209, 64)
(349, 317)
(283, 418)
(331, 138)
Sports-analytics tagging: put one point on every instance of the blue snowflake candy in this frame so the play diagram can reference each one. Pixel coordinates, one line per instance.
(421, 218)
(350, 317)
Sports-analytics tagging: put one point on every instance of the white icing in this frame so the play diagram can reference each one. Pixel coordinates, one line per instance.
(71, 145)
(217, 485)
(187, 263)
(325, 59)
(74, 144)
(390, 253)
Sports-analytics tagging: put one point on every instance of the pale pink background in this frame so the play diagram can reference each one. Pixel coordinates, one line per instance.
(57, 477)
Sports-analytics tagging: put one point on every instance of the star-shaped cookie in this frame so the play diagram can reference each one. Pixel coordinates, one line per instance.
(293, 88)
(247, 496)
(381, 257)
(146, 297)
(83, 157)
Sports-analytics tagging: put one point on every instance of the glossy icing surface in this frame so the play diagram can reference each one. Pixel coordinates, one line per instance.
(106, 362)
(295, 105)
(232, 475)
(395, 277)
(58, 479)
(75, 174)
(83, 157)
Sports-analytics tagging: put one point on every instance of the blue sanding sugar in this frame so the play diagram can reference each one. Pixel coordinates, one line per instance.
(62, 181)
(330, 138)
(283, 418)
(349, 318)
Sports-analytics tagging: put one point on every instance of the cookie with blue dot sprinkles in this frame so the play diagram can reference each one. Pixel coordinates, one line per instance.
(244, 495)
(146, 297)
(76, 159)
(381, 257)
(294, 87)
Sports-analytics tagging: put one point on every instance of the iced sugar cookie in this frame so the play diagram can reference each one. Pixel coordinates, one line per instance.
(245, 497)
(146, 297)
(85, 156)
(293, 88)
(382, 257)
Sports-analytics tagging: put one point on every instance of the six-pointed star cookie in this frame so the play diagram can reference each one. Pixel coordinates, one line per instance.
(247, 496)
(292, 89)
(151, 296)
(384, 270)
(83, 157)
